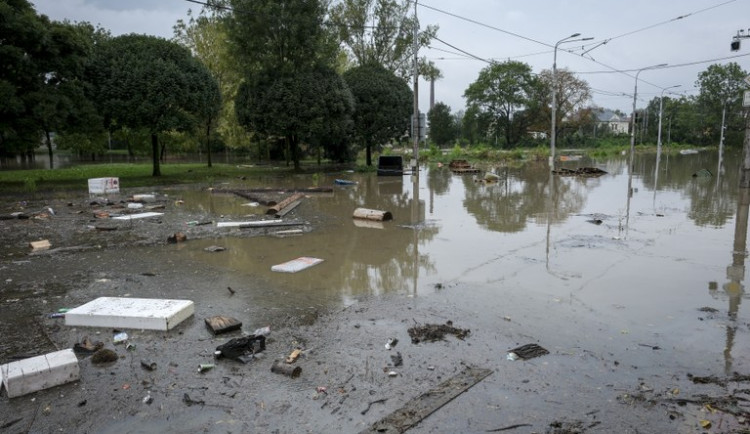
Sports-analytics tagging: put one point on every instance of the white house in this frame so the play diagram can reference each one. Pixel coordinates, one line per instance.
(616, 123)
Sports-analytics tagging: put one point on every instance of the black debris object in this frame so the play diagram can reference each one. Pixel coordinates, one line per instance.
(436, 332)
(241, 349)
(397, 359)
(529, 351)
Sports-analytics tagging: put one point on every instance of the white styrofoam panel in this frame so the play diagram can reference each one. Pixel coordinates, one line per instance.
(131, 313)
(38, 373)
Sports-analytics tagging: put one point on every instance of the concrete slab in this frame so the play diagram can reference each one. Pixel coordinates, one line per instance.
(131, 313)
(38, 373)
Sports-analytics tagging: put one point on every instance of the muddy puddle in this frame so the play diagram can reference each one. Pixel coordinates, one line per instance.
(631, 281)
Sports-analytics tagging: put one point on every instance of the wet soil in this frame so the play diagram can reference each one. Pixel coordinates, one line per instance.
(588, 383)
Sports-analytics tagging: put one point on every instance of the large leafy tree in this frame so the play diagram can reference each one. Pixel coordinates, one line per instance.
(501, 90)
(147, 82)
(383, 105)
(310, 107)
(572, 95)
(380, 32)
(284, 46)
(721, 88)
(442, 124)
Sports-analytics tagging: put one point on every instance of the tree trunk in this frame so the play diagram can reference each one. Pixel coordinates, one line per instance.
(49, 149)
(208, 142)
(155, 154)
(368, 152)
(295, 152)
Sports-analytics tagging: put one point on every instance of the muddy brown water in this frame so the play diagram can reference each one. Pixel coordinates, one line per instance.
(634, 282)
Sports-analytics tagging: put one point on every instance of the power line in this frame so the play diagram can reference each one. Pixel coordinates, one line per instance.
(679, 65)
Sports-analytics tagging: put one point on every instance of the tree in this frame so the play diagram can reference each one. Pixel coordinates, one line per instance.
(572, 94)
(207, 35)
(380, 32)
(721, 88)
(383, 105)
(500, 91)
(431, 73)
(442, 126)
(141, 81)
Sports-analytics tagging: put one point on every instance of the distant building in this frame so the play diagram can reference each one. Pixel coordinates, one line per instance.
(615, 122)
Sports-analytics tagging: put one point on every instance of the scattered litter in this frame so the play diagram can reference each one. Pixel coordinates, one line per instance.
(292, 371)
(321, 389)
(86, 346)
(247, 224)
(203, 367)
(130, 346)
(296, 265)
(221, 324)
(231, 291)
(190, 401)
(148, 365)
(104, 186)
(525, 352)
(40, 245)
(392, 374)
(104, 355)
(293, 356)
(398, 360)
(462, 166)
(198, 223)
(287, 233)
(595, 221)
(252, 204)
(372, 214)
(177, 237)
(491, 177)
(56, 315)
(120, 338)
(435, 332)
(344, 182)
(135, 205)
(391, 343)
(241, 349)
(144, 197)
(263, 331)
(142, 215)
(586, 172)
(148, 399)
(215, 249)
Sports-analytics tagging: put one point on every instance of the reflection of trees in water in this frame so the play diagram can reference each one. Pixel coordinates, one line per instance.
(713, 199)
(519, 195)
(438, 180)
(380, 259)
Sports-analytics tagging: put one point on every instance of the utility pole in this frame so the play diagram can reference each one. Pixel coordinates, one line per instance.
(415, 122)
(745, 172)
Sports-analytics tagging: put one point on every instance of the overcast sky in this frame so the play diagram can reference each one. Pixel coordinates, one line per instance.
(688, 35)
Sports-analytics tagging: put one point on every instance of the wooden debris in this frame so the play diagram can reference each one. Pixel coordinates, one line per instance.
(427, 403)
(40, 245)
(293, 356)
(286, 210)
(285, 203)
(178, 237)
(372, 214)
(435, 332)
(221, 324)
(586, 172)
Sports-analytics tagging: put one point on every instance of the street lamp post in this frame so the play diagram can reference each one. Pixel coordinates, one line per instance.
(661, 101)
(553, 132)
(632, 117)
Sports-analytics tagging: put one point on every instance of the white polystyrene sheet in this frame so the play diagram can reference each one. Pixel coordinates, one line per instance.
(247, 224)
(141, 215)
(296, 265)
(132, 313)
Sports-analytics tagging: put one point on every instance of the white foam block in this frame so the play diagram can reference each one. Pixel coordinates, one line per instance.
(131, 313)
(38, 373)
(142, 215)
(296, 265)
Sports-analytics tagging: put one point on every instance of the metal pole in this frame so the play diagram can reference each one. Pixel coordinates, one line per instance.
(632, 117)
(553, 127)
(661, 101)
(415, 126)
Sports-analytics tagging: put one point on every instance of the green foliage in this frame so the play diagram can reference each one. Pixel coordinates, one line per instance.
(443, 129)
(383, 105)
(501, 90)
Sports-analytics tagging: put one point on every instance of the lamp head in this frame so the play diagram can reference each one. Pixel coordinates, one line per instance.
(574, 35)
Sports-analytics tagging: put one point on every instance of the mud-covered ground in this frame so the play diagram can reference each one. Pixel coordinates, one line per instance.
(588, 383)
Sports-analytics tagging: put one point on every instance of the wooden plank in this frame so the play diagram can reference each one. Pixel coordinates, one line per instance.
(286, 210)
(284, 203)
(221, 324)
(427, 403)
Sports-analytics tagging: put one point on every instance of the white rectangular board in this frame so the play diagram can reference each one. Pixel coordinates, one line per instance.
(131, 313)
(104, 186)
(38, 373)
(138, 216)
(247, 224)
(296, 265)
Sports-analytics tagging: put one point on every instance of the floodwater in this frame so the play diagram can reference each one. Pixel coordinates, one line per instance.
(644, 249)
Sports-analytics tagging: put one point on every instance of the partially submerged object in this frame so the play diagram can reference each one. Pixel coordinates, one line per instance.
(296, 265)
(587, 172)
(141, 215)
(221, 324)
(132, 313)
(372, 214)
(38, 373)
(390, 165)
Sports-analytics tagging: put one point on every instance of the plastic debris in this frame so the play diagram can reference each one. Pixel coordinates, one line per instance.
(120, 338)
(148, 365)
(391, 343)
(203, 367)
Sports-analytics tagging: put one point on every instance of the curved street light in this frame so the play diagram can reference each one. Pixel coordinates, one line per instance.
(661, 100)
(553, 133)
(632, 117)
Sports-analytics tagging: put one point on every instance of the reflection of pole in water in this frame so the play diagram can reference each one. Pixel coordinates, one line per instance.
(656, 175)
(630, 194)
(550, 212)
(415, 226)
